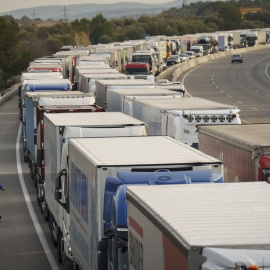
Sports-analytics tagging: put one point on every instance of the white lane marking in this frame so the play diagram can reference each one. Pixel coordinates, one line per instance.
(267, 95)
(213, 82)
(250, 86)
(266, 71)
(257, 91)
(38, 228)
(221, 91)
(254, 108)
(229, 96)
(216, 86)
(240, 102)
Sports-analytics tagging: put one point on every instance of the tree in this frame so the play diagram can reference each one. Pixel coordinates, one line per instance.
(232, 17)
(100, 27)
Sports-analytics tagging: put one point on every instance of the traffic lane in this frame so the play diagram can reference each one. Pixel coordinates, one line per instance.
(218, 81)
(20, 246)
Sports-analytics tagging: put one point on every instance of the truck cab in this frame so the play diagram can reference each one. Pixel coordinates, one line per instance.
(113, 246)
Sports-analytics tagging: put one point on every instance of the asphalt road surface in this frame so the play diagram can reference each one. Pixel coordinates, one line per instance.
(246, 85)
(24, 233)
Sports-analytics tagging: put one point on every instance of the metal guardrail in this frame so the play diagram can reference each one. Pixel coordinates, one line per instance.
(9, 95)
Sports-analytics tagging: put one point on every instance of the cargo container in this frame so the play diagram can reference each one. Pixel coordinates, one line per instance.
(244, 150)
(118, 99)
(58, 128)
(179, 117)
(103, 85)
(88, 81)
(194, 227)
(92, 160)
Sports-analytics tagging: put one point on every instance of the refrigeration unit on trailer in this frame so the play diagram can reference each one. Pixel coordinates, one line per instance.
(244, 149)
(179, 117)
(92, 160)
(103, 85)
(199, 227)
(118, 99)
(58, 128)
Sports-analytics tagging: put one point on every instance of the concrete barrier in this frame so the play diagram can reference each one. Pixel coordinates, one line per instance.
(175, 71)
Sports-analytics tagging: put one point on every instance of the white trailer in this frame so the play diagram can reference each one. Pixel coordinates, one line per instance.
(118, 99)
(103, 85)
(204, 226)
(58, 128)
(92, 160)
(88, 80)
(179, 118)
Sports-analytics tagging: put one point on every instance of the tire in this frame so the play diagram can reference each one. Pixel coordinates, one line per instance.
(54, 242)
(31, 169)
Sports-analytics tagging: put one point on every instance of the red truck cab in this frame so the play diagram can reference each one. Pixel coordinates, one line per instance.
(264, 169)
(135, 68)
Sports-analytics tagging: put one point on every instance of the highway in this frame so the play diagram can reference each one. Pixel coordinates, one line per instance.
(24, 234)
(243, 85)
(25, 239)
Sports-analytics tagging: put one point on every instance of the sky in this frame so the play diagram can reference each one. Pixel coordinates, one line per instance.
(19, 4)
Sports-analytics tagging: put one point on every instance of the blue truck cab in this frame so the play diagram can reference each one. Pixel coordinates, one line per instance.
(113, 251)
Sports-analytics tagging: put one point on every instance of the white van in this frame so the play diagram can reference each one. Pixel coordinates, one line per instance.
(198, 50)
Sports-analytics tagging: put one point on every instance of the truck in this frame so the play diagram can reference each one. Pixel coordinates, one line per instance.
(209, 43)
(33, 99)
(198, 50)
(152, 58)
(88, 80)
(118, 99)
(234, 39)
(58, 129)
(115, 214)
(93, 59)
(256, 37)
(92, 160)
(222, 41)
(250, 145)
(201, 226)
(103, 85)
(135, 68)
(179, 117)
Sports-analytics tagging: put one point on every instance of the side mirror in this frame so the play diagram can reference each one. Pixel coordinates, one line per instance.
(39, 157)
(102, 256)
(35, 136)
(20, 103)
(58, 185)
(19, 91)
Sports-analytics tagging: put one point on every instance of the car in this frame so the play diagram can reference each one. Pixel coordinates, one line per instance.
(173, 60)
(191, 54)
(184, 57)
(237, 58)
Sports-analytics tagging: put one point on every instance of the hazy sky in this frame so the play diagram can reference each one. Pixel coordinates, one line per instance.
(8, 5)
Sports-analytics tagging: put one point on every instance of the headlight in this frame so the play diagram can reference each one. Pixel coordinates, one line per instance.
(213, 118)
(198, 118)
(69, 250)
(221, 118)
(206, 118)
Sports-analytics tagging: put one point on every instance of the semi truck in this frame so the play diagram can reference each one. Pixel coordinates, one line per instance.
(152, 58)
(179, 117)
(115, 214)
(244, 149)
(256, 37)
(234, 39)
(58, 128)
(88, 81)
(118, 99)
(64, 105)
(92, 160)
(203, 226)
(33, 99)
(136, 68)
(103, 85)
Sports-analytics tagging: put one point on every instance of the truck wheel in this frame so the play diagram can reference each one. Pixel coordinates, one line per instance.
(59, 246)
(38, 200)
(51, 230)
(31, 169)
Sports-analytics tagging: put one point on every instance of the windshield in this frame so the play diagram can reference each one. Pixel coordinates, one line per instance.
(172, 58)
(182, 55)
(142, 59)
(196, 50)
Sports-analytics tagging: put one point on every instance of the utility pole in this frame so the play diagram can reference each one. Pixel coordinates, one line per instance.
(34, 15)
(65, 13)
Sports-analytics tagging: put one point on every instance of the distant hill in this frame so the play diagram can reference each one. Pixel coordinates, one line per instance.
(89, 11)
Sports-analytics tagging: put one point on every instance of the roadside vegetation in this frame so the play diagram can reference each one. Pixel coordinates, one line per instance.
(23, 40)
